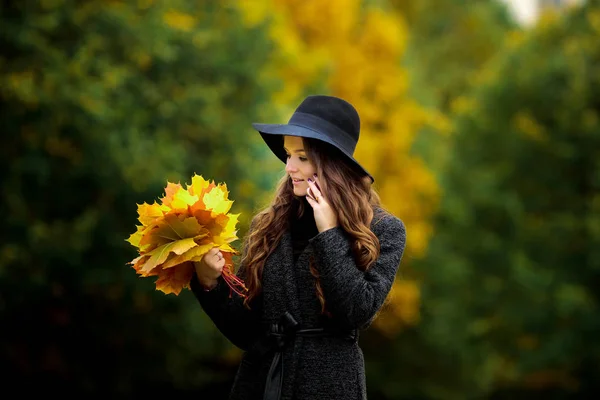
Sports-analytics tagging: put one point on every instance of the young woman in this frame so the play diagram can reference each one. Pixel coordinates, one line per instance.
(319, 263)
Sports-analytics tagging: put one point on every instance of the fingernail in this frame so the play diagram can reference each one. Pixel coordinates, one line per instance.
(315, 175)
(310, 180)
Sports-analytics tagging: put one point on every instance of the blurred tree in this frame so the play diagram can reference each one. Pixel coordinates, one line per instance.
(449, 43)
(512, 276)
(102, 102)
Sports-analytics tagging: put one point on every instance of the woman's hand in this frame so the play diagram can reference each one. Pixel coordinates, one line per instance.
(325, 216)
(210, 268)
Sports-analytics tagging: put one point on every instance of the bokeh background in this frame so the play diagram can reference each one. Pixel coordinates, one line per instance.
(480, 122)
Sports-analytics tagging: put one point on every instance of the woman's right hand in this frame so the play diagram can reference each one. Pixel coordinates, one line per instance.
(210, 268)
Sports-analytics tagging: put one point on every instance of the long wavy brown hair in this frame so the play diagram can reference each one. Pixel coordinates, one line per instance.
(350, 194)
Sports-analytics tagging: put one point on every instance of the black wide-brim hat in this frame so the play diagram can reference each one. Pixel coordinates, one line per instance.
(325, 118)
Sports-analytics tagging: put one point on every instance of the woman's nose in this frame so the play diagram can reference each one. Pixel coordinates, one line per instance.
(289, 166)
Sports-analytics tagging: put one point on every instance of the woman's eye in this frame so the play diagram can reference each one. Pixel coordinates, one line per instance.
(303, 159)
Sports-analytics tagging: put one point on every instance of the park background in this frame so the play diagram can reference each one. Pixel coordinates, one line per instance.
(481, 129)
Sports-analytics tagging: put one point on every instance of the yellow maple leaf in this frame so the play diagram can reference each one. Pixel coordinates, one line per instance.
(193, 254)
(229, 232)
(150, 241)
(182, 199)
(135, 238)
(225, 248)
(160, 254)
(149, 213)
(216, 200)
(170, 190)
(200, 186)
(179, 227)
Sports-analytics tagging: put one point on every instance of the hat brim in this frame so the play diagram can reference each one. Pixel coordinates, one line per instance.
(273, 134)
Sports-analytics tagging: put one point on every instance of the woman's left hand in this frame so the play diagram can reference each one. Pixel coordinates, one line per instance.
(325, 216)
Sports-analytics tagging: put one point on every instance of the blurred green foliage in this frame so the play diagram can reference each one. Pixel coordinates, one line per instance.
(510, 284)
(101, 104)
(450, 41)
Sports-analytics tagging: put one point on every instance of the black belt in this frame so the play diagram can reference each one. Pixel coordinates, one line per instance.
(277, 336)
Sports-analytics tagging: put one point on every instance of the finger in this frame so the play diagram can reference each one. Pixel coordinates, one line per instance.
(311, 198)
(309, 194)
(312, 202)
(316, 180)
(314, 189)
(214, 262)
(213, 251)
(208, 255)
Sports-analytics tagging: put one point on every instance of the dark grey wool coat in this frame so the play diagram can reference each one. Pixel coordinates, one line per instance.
(314, 368)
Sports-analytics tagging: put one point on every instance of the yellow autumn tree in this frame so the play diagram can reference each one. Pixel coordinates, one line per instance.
(354, 51)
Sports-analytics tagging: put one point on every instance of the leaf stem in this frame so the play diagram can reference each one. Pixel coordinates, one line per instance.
(235, 284)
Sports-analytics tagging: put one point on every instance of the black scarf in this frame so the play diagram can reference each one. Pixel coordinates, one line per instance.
(302, 229)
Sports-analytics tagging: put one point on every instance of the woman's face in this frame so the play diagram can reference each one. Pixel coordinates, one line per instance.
(298, 166)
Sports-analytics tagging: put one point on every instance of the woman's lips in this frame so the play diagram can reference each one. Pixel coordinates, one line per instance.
(297, 182)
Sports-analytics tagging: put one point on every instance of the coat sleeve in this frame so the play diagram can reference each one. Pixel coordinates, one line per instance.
(351, 295)
(240, 325)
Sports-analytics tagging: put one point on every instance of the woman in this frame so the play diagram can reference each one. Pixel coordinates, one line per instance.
(318, 262)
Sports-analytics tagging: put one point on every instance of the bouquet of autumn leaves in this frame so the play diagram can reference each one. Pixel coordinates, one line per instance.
(180, 230)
